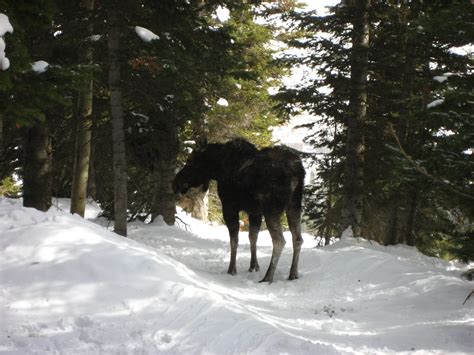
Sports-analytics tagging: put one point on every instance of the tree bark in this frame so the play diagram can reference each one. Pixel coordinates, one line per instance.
(353, 184)
(83, 130)
(118, 134)
(410, 222)
(164, 202)
(37, 170)
(392, 225)
(91, 181)
(196, 203)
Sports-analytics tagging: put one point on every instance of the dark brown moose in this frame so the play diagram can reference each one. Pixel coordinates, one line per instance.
(263, 182)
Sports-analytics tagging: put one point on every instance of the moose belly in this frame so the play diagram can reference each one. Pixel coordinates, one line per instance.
(262, 203)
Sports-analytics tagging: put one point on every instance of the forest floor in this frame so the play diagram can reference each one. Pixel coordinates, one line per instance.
(69, 285)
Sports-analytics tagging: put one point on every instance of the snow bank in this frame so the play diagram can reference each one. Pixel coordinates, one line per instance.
(72, 286)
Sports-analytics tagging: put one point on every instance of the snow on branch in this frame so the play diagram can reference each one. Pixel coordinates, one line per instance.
(145, 34)
(5, 26)
(435, 103)
(40, 66)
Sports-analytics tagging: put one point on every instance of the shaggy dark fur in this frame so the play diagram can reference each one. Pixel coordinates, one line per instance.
(263, 182)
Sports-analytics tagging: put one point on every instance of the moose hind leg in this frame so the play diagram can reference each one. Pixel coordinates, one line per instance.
(255, 222)
(274, 227)
(231, 219)
(294, 222)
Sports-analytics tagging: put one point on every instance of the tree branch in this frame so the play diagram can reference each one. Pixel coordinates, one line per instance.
(422, 170)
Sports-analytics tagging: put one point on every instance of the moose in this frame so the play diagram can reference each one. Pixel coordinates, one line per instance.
(266, 182)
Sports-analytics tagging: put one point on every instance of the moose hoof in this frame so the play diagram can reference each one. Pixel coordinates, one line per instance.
(232, 272)
(254, 268)
(266, 279)
(293, 277)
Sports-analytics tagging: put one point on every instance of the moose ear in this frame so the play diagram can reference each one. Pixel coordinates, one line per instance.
(201, 144)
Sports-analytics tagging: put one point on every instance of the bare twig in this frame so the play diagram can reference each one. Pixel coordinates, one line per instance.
(184, 223)
(468, 296)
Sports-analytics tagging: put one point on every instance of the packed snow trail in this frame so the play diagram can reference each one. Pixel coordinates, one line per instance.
(72, 286)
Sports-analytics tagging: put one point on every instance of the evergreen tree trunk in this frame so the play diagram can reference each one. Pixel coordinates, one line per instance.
(355, 122)
(196, 203)
(164, 203)
(83, 131)
(329, 197)
(91, 181)
(391, 233)
(406, 114)
(118, 134)
(410, 222)
(37, 170)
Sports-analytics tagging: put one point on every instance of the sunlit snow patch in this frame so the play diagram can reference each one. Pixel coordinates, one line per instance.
(222, 14)
(222, 102)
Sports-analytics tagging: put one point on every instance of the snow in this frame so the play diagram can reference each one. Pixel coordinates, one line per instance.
(40, 66)
(222, 102)
(4, 61)
(440, 78)
(347, 233)
(435, 103)
(467, 49)
(5, 26)
(293, 133)
(145, 34)
(70, 285)
(222, 14)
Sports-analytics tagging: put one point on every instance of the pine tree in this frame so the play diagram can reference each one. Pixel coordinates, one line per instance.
(354, 163)
(411, 149)
(32, 99)
(118, 134)
(84, 122)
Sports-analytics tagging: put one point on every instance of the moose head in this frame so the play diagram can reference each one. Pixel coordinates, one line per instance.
(196, 171)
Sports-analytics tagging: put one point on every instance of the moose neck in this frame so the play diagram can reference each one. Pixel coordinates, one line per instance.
(224, 160)
(214, 161)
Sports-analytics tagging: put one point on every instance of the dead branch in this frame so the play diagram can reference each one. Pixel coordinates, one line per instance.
(186, 226)
(468, 296)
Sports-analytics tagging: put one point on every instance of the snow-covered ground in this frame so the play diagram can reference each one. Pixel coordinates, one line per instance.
(70, 286)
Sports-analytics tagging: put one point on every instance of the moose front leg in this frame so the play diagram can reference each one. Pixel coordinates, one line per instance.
(274, 227)
(231, 218)
(255, 221)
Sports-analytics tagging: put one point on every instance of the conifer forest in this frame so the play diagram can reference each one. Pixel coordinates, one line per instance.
(104, 100)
